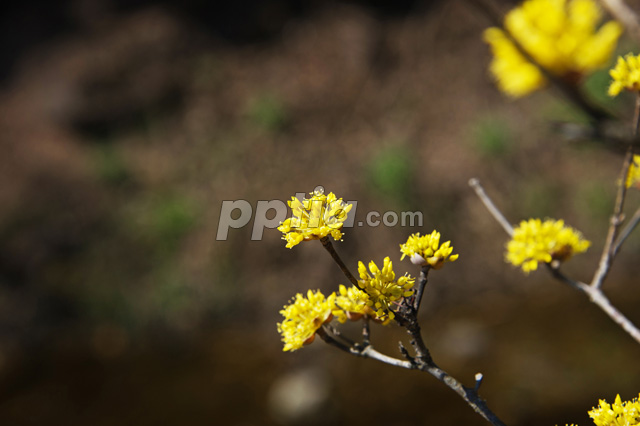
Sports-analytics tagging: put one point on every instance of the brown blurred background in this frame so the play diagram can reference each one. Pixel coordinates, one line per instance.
(125, 124)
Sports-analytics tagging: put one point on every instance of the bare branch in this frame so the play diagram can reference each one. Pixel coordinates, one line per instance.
(598, 297)
(421, 284)
(495, 212)
(326, 243)
(631, 225)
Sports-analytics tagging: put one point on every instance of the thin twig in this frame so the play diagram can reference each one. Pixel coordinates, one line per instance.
(600, 299)
(617, 218)
(609, 250)
(329, 247)
(335, 333)
(365, 351)
(331, 339)
(478, 377)
(629, 227)
(366, 332)
(554, 268)
(597, 297)
(421, 284)
(495, 212)
(470, 395)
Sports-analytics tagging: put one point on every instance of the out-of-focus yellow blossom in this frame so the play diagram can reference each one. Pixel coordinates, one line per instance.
(428, 250)
(382, 287)
(514, 75)
(352, 304)
(314, 218)
(625, 75)
(303, 317)
(633, 177)
(619, 413)
(535, 241)
(560, 35)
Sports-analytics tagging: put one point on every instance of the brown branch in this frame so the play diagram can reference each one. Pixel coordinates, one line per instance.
(424, 362)
(334, 255)
(629, 227)
(421, 284)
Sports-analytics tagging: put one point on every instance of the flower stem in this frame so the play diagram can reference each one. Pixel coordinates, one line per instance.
(336, 257)
(421, 284)
(366, 332)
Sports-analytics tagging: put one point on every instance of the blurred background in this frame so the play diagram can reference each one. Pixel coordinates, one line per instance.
(125, 124)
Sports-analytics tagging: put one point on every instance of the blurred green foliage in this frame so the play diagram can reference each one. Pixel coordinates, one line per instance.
(109, 303)
(109, 164)
(171, 218)
(163, 220)
(268, 112)
(596, 86)
(390, 173)
(491, 136)
(538, 198)
(558, 109)
(595, 199)
(171, 296)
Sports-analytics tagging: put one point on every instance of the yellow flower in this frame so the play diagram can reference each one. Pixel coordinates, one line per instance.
(352, 304)
(514, 75)
(428, 250)
(560, 35)
(617, 414)
(633, 177)
(382, 287)
(625, 75)
(303, 317)
(314, 218)
(535, 241)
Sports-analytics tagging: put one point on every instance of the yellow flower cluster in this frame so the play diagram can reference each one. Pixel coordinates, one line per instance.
(352, 304)
(314, 218)
(535, 241)
(625, 75)
(428, 250)
(560, 35)
(382, 288)
(633, 177)
(304, 317)
(619, 413)
(320, 216)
